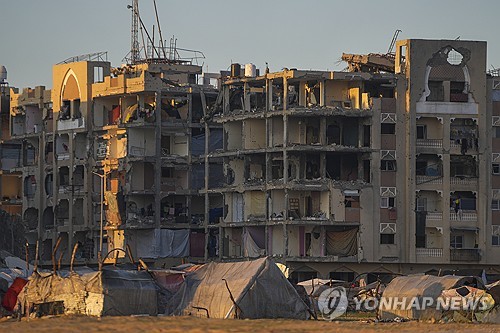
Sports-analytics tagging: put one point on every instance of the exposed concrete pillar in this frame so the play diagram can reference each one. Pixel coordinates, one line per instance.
(285, 166)
(269, 91)
(225, 91)
(302, 93)
(322, 131)
(157, 169)
(445, 202)
(322, 99)
(246, 97)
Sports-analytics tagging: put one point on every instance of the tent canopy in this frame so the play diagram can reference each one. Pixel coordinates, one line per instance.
(259, 289)
(421, 286)
(94, 293)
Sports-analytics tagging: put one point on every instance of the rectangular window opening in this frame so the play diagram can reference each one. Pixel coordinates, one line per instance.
(387, 128)
(387, 238)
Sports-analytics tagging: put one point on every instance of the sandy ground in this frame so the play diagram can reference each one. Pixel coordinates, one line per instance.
(191, 324)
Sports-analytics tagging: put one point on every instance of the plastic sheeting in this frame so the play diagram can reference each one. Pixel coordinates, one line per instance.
(162, 243)
(136, 287)
(130, 112)
(259, 288)
(342, 243)
(214, 143)
(95, 293)
(253, 242)
(197, 176)
(198, 144)
(216, 176)
(197, 244)
(216, 140)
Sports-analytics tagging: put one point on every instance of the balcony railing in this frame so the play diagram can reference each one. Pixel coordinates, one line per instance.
(429, 252)
(463, 215)
(433, 180)
(69, 124)
(463, 180)
(137, 151)
(465, 255)
(62, 221)
(434, 216)
(430, 143)
(62, 156)
(471, 146)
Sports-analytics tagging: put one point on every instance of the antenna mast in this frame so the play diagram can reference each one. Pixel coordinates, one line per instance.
(134, 46)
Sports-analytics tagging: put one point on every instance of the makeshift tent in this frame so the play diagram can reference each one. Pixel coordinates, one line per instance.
(259, 289)
(315, 287)
(111, 292)
(419, 286)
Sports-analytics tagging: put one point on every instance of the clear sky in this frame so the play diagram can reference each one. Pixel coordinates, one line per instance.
(307, 34)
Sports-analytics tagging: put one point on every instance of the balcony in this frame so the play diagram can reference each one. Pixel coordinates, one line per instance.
(463, 180)
(137, 151)
(465, 255)
(456, 148)
(430, 143)
(70, 124)
(465, 215)
(435, 216)
(62, 156)
(429, 252)
(62, 221)
(431, 180)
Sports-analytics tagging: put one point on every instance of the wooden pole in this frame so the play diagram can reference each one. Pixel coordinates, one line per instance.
(130, 256)
(35, 268)
(99, 259)
(27, 249)
(73, 257)
(54, 251)
(60, 259)
(143, 264)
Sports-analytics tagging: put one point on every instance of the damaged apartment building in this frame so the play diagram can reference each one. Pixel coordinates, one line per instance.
(391, 169)
(118, 148)
(10, 158)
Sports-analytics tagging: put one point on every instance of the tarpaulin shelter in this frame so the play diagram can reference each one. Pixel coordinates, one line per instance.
(9, 300)
(419, 286)
(109, 292)
(161, 243)
(258, 288)
(315, 287)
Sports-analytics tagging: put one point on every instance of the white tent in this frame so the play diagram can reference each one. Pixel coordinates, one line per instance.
(258, 288)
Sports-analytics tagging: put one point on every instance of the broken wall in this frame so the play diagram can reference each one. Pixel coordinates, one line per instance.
(254, 134)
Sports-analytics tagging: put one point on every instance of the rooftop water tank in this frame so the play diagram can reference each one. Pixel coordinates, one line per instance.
(3, 73)
(235, 70)
(250, 70)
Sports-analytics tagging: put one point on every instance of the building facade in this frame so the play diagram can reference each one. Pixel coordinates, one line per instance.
(339, 173)
(390, 167)
(114, 159)
(10, 158)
